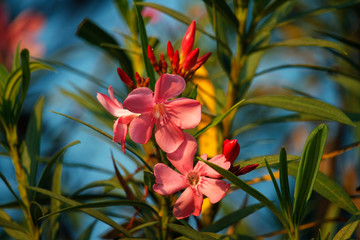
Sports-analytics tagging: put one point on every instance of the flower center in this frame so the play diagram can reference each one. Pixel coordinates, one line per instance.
(193, 178)
(159, 113)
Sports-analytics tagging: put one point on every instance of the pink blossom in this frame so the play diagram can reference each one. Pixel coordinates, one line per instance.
(198, 181)
(24, 28)
(115, 108)
(168, 116)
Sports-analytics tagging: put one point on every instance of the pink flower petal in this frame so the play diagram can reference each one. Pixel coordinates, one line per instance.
(112, 97)
(126, 116)
(140, 100)
(204, 170)
(186, 113)
(184, 205)
(140, 128)
(214, 189)
(167, 181)
(168, 136)
(198, 201)
(120, 131)
(109, 104)
(182, 158)
(168, 86)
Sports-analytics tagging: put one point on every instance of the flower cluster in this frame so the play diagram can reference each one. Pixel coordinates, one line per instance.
(167, 114)
(184, 64)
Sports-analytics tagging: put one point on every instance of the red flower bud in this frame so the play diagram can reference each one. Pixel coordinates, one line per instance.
(152, 58)
(246, 169)
(170, 51)
(231, 150)
(188, 41)
(162, 63)
(125, 78)
(201, 61)
(190, 59)
(175, 62)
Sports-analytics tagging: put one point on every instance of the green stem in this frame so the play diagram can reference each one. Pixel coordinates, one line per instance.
(164, 217)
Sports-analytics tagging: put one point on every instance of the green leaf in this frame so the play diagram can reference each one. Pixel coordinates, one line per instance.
(92, 212)
(308, 169)
(248, 189)
(284, 184)
(350, 226)
(271, 159)
(304, 105)
(232, 218)
(149, 179)
(10, 189)
(15, 77)
(225, 11)
(276, 186)
(181, 18)
(329, 189)
(46, 173)
(193, 92)
(189, 232)
(108, 136)
(12, 228)
(144, 44)
(217, 119)
(86, 234)
(102, 204)
(32, 140)
(36, 212)
(94, 35)
(16, 58)
(303, 42)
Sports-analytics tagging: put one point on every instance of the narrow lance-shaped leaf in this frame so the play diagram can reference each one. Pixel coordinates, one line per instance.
(92, 212)
(232, 218)
(93, 34)
(303, 42)
(284, 183)
(303, 105)
(189, 232)
(350, 226)
(329, 189)
(217, 119)
(144, 44)
(250, 190)
(308, 169)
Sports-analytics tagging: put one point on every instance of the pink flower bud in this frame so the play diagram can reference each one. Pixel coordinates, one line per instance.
(125, 78)
(190, 59)
(231, 150)
(170, 51)
(188, 41)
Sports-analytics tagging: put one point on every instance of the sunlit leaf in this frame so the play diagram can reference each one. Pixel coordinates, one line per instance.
(350, 226)
(189, 232)
(303, 105)
(303, 42)
(271, 159)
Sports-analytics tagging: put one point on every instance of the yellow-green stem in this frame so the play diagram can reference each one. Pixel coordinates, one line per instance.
(22, 182)
(164, 217)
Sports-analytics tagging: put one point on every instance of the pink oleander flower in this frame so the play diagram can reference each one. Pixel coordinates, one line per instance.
(24, 28)
(184, 64)
(151, 13)
(115, 108)
(198, 181)
(168, 116)
(231, 149)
